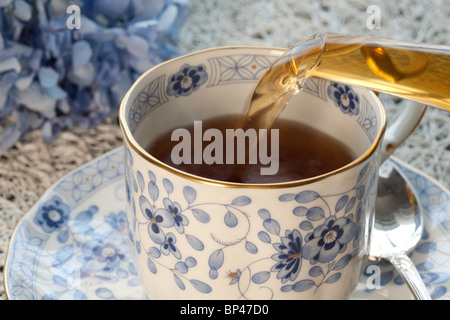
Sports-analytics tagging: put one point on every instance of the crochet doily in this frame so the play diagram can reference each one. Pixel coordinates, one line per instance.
(32, 166)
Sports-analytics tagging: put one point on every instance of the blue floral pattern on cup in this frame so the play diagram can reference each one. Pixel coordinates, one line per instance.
(187, 80)
(289, 256)
(324, 243)
(344, 98)
(328, 239)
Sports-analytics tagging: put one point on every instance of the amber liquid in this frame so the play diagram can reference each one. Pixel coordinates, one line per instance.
(304, 152)
(414, 71)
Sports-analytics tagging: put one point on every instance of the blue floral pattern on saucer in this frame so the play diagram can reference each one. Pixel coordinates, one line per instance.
(52, 215)
(77, 238)
(74, 245)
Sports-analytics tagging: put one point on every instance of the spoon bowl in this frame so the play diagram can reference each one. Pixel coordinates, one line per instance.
(398, 228)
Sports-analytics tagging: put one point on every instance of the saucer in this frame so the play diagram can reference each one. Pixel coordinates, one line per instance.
(73, 243)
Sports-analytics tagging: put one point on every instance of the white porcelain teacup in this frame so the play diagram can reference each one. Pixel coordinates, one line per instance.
(196, 238)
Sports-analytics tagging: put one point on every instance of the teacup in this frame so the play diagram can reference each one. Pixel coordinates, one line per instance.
(198, 238)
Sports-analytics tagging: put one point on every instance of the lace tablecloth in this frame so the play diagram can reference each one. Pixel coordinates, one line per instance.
(32, 166)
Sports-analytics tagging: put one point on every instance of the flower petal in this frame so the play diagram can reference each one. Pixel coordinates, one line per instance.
(137, 46)
(156, 234)
(4, 3)
(349, 233)
(311, 248)
(167, 202)
(10, 64)
(35, 100)
(167, 18)
(81, 54)
(23, 10)
(56, 93)
(167, 217)
(111, 8)
(24, 81)
(326, 255)
(83, 76)
(146, 207)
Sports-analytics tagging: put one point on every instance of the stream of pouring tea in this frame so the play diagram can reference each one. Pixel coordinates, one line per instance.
(414, 71)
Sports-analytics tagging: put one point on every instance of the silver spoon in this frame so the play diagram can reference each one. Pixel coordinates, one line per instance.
(398, 228)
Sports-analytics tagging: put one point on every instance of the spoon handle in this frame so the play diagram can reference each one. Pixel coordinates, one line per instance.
(408, 271)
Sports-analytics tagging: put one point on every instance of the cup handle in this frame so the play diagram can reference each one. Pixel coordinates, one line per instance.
(397, 132)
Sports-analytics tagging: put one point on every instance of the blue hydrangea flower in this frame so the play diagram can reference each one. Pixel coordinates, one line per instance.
(54, 76)
(187, 80)
(344, 98)
(52, 214)
(288, 256)
(327, 240)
